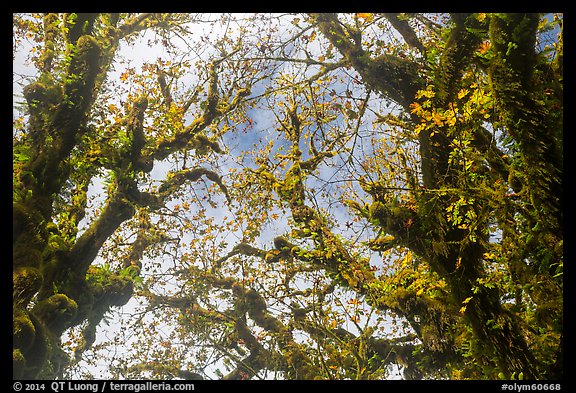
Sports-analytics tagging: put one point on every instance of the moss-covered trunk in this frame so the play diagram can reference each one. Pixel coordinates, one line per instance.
(50, 291)
(450, 250)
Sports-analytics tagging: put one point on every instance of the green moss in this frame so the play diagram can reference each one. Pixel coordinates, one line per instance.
(24, 331)
(272, 256)
(37, 355)
(27, 232)
(377, 211)
(24, 255)
(18, 364)
(119, 290)
(26, 282)
(56, 312)
(382, 243)
(88, 47)
(292, 189)
(35, 94)
(107, 286)
(204, 145)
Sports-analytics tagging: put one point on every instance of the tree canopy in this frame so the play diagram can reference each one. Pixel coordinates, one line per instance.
(288, 196)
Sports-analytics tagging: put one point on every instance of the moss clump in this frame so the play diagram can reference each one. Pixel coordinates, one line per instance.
(272, 256)
(204, 145)
(24, 255)
(26, 282)
(382, 243)
(378, 211)
(56, 312)
(88, 49)
(24, 332)
(34, 93)
(109, 287)
(119, 290)
(291, 189)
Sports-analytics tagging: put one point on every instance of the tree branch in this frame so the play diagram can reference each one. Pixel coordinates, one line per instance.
(116, 211)
(176, 179)
(396, 78)
(404, 28)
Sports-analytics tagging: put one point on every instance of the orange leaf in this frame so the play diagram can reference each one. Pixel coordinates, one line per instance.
(368, 17)
(484, 47)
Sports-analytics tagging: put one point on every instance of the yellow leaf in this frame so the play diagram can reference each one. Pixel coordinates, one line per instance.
(458, 263)
(419, 128)
(428, 93)
(462, 93)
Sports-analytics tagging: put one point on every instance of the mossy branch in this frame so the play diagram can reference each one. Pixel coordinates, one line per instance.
(192, 136)
(406, 31)
(176, 179)
(395, 77)
(116, 211)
